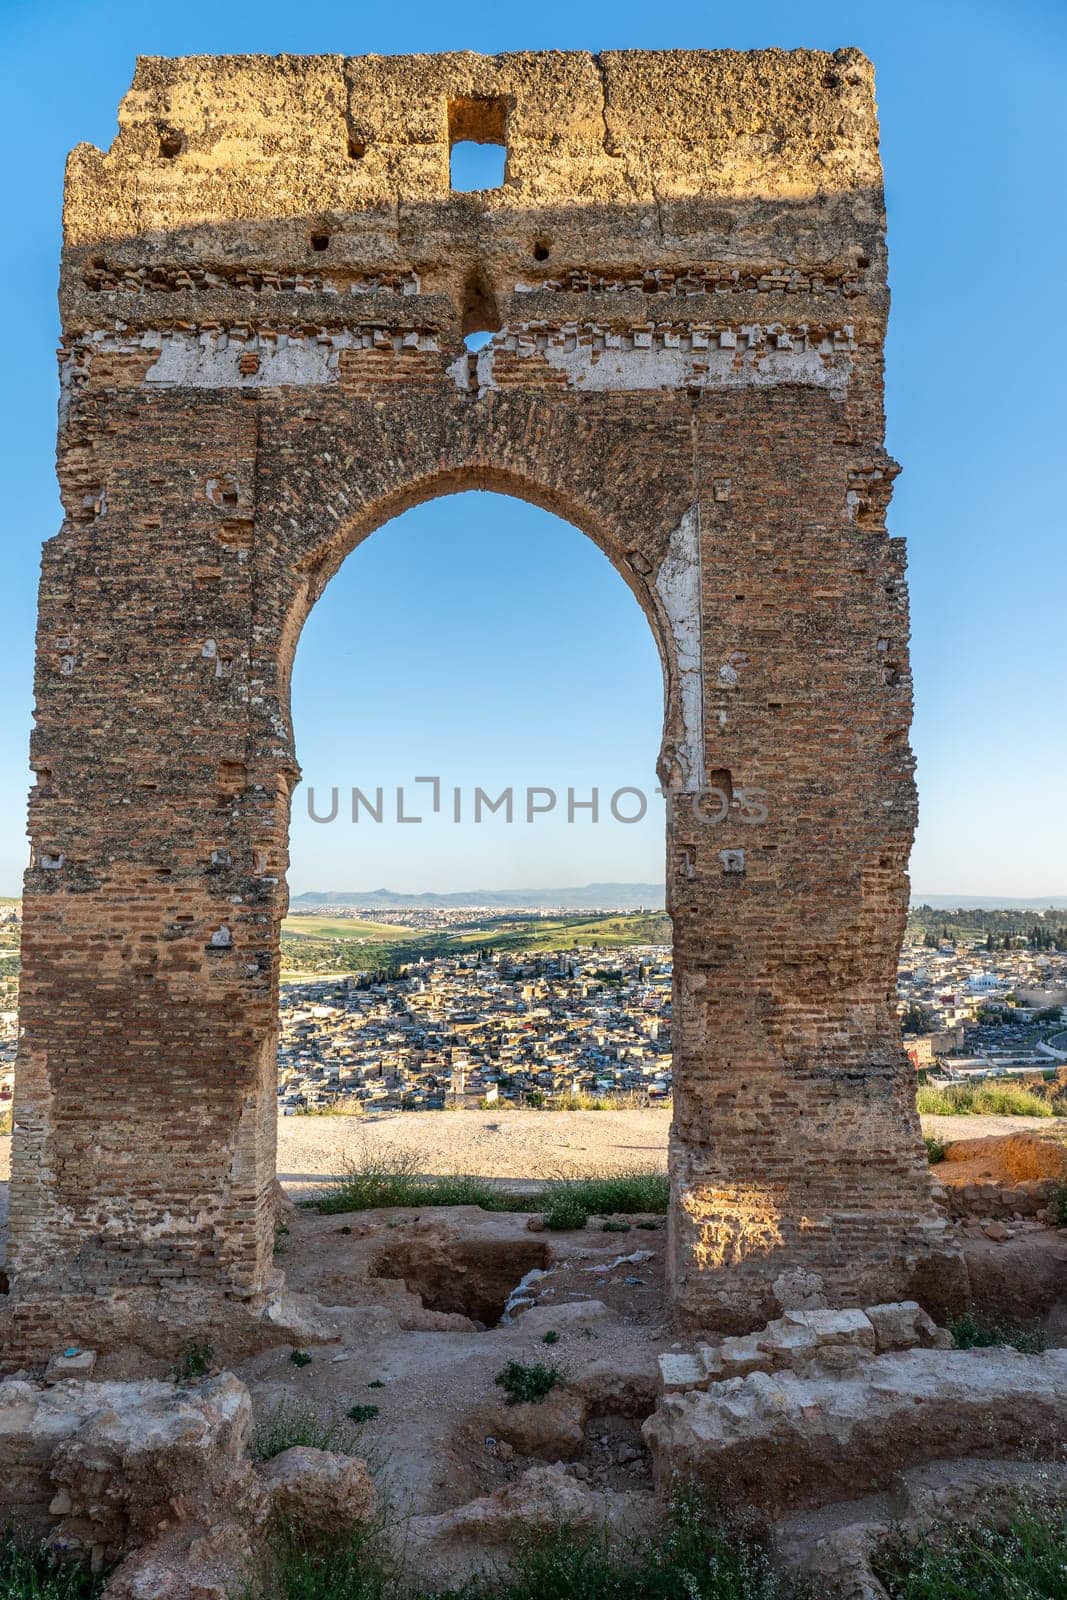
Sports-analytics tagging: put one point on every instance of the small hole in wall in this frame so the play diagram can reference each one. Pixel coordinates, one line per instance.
(477, 141)
(474, 167)
(171, 143)
(320, 241)
(477, 341)
(357, 148)
(541, 250)
(863, 262)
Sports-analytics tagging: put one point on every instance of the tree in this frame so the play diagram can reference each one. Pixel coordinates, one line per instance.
(917, 1019)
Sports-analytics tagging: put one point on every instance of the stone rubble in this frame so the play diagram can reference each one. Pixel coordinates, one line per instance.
(777, 1440)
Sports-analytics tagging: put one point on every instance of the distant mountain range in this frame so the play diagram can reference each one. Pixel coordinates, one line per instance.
(989, 902)
(588, 897)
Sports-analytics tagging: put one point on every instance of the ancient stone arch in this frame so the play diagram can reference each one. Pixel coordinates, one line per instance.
(266, 282)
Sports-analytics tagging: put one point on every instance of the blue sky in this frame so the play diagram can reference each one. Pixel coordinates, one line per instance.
(516, 655)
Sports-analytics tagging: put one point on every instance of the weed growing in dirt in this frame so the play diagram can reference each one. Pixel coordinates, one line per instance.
(935, 1149)
(985, 1100)
(31, 1574)
(300, 1358)
(641, 1189)
(973, 1331)
(615, 1227)
(551, 1337)
(1026, 1560)
(694, 1559)
(527, 1385)
(194, 1362)
(565, 1211)
(1058, 1205)
(292, 1423)
(396, 1178)
(362, 1413)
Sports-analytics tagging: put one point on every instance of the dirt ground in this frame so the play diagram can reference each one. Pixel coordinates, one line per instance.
(524, 1145)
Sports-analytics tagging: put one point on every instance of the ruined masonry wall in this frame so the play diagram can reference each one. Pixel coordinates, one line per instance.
(265, 285)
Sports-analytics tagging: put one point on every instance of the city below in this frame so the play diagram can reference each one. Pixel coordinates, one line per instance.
(437, 1006)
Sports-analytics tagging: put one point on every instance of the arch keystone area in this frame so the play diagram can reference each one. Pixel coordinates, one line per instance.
(266, 282)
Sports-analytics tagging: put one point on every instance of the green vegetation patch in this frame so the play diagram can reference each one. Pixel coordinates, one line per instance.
(523, 1385)
(975, 1331)
(292, 1423)
(695, 1558)
(396, 1177)
(935, 1149)
(985, 1099)
(1024, 1560)
(31, 1574)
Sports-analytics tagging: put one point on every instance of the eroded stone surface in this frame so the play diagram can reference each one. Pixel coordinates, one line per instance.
(782, 1440)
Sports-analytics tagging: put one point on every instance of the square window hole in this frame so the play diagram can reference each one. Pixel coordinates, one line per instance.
(477, 141)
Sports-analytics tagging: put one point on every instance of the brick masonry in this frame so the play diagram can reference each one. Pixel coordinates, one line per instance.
(265, 286)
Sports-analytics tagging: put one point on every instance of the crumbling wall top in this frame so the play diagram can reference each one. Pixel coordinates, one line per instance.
(210, 139)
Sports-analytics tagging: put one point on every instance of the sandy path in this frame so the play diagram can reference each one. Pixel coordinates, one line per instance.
(517, 1144)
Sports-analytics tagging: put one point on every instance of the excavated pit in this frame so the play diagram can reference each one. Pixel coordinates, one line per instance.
(474, 1277)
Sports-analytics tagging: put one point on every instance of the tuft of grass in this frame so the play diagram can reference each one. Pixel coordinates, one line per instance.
(300, 1358)
(361, 1413)
(640, 1189)
(290, 1424)
(527, 1385)
(974, 1331)
(988, 1099)
(356, 1565)
(194, 1362)
(611, 1226)
(1058, 1205)
(551, 1337)
(392, 1177)
(1025, 1559)
(395, 1177)
(28, 1573)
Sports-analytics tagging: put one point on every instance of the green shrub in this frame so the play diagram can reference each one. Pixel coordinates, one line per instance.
(1058, 1205)
(975, 1331)
(292, 1423)
(551, 1337)
(611, 1226)
(362, 1413)
(565, 1211)
(27, 1573)
(935, 1149)
(194, 1362)
(300, 1358)
(1025, 1560)
(527, 1385)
